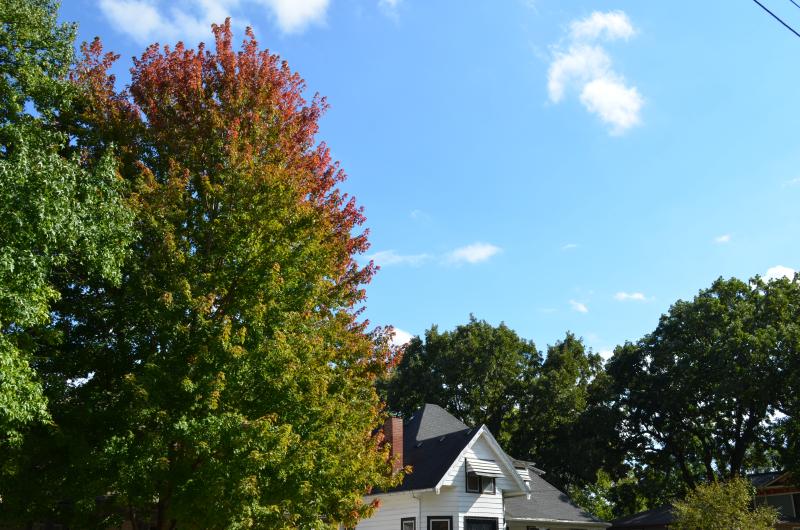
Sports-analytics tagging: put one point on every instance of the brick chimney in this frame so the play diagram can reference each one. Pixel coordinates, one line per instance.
(393, 432)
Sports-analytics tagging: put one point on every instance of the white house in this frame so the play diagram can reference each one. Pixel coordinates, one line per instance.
(463, 480)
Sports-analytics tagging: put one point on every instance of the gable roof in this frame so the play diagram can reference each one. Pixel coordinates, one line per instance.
(771, 478)
(432, 439)
(501, 458)
(546, 504)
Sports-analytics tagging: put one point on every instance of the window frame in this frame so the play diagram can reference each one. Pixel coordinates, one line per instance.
(437, 518)
(482, 481)
(483, 520)
(412, 520)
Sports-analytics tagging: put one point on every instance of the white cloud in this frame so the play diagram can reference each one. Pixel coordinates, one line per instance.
(474, 253)
(389, 4)
(622, 296)
(779, 271)
(296, 15)
(569, 246)
(616, 104)
(578, 306)
(147, 21)
(387, 258)
(612, 25)
(149, 24)
(577, 66)
(792, 182)
(401, 337)
(606, 354)
(587, 69)
(724, 238)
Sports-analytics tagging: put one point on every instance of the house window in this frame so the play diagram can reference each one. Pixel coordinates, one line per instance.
(480, 523)
(479, 484)
(440, 523)
(409, 523)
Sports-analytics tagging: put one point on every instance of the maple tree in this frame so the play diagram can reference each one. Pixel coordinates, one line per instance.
(226, 381)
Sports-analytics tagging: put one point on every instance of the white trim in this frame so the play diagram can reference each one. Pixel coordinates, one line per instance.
(569, 524)
(502, 459)
(404, 492)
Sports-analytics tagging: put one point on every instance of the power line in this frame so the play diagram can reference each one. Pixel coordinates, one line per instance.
(795, 3)
(776, 17)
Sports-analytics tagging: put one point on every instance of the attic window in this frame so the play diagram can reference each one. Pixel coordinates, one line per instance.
(479, 484)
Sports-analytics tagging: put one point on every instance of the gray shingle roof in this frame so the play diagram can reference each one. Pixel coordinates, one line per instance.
(656, 517)
(761, 480)
(546, 503)
(432, 439)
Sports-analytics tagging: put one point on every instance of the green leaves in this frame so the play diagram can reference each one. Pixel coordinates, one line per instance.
(477, 372)
(723, 506)
(59, 216)
(214, 372)
(489, 375)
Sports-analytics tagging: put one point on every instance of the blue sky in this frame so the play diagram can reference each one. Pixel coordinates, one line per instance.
(554, 165)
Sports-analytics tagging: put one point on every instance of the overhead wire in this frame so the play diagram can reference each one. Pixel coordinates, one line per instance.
(776, 17)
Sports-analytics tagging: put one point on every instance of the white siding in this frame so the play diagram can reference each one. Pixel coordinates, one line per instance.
(394, 507)
(453, 499)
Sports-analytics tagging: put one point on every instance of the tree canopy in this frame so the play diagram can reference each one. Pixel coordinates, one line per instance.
(60, 215)
(488, 375)
(478, 372)
(218, 375)
(723, 506)
(702, 393)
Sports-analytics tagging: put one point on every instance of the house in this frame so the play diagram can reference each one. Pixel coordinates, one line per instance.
(779, 490)
(656, 519)
(462, 480)
(775, 488)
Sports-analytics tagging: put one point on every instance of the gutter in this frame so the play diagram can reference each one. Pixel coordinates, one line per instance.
(572, 524)
(403, 492)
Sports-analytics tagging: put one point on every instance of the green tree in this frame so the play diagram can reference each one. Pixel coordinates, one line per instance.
(700, 394)
(59, 215)
(226, 382)
(595, 498)
(565, 403)
(723, 506)
(478, 372)
(489, 375)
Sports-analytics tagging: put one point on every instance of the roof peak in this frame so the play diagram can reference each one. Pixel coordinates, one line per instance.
(432, 421)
